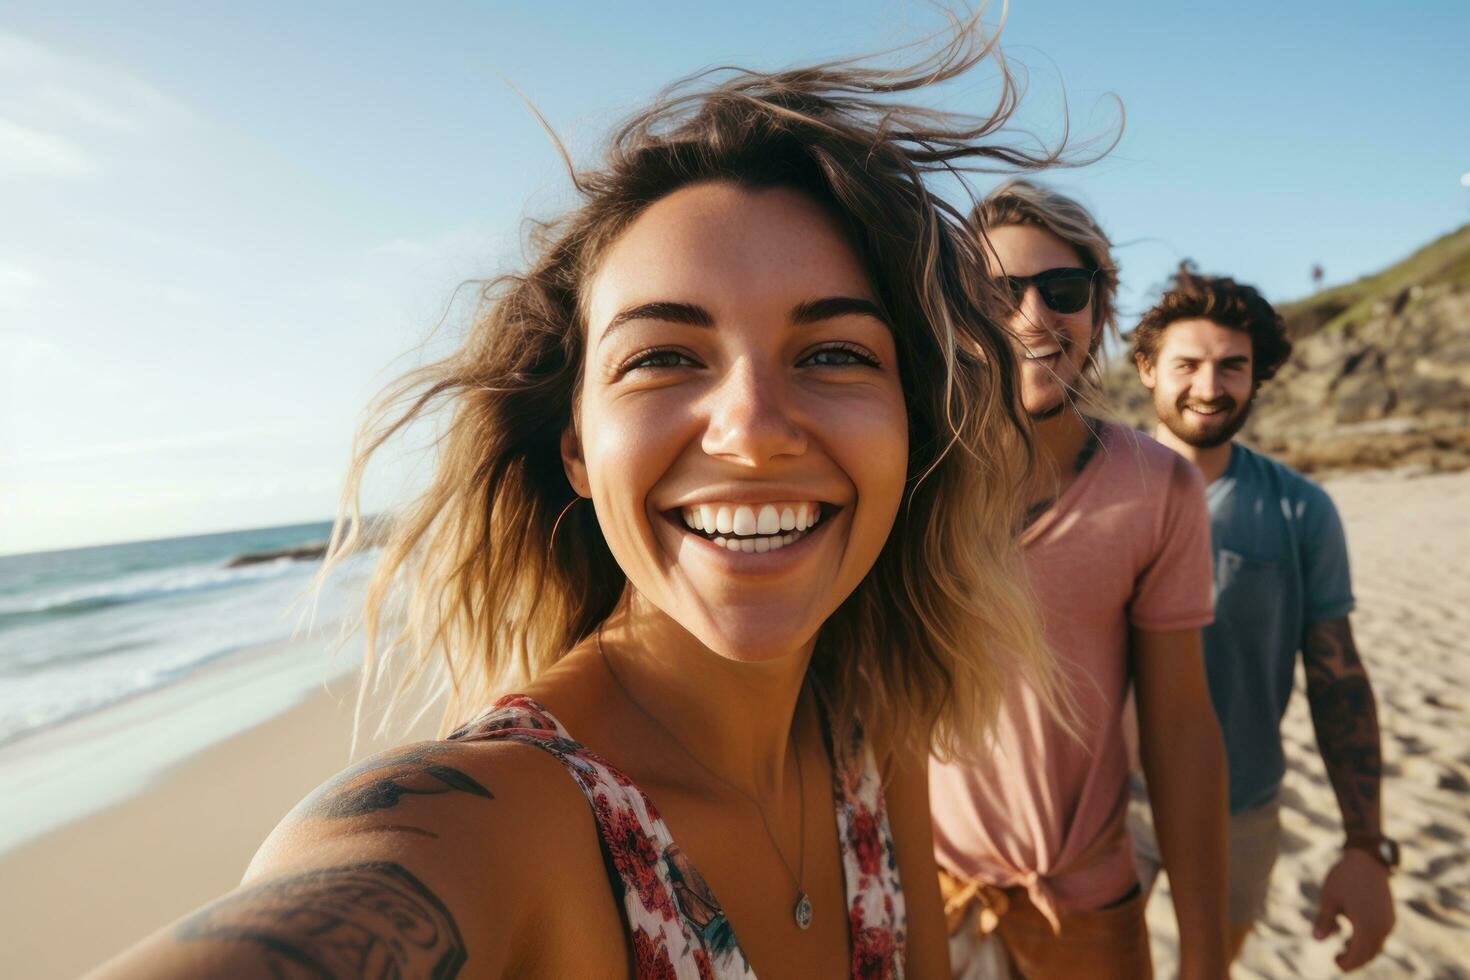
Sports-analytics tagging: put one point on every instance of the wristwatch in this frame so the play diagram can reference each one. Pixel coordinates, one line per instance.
(1385, 849)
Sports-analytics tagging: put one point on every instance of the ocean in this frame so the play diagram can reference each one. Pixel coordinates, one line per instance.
(86, 628)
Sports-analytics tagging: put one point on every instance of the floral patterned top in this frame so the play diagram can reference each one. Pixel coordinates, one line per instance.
(677, 927)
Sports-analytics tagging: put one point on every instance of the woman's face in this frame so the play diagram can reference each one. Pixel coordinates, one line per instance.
(741, 429)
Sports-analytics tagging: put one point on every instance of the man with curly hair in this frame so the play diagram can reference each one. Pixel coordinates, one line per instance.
(1281, 586)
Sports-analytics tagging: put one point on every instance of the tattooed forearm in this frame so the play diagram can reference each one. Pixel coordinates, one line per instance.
(1346, 719)
(379, 783)
(363, 920)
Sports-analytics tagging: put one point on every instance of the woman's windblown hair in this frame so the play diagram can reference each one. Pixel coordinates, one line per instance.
(496, 571)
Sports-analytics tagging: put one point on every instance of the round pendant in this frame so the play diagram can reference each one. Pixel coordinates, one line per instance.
(803, 911)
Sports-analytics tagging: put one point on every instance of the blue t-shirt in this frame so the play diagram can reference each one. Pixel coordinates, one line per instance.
(1281, 567)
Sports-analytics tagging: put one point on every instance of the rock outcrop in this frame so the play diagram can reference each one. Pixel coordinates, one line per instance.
(310, 552)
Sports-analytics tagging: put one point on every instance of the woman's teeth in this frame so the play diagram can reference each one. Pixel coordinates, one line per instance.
(750, 529)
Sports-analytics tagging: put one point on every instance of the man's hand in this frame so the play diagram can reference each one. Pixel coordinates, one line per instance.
(1357, 889)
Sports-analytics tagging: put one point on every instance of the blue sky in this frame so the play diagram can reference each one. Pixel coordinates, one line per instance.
(224, 227)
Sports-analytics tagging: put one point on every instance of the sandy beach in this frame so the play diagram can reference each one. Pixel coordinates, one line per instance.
(74, 895)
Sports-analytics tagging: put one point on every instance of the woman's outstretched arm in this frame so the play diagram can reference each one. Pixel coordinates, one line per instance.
(427, 861)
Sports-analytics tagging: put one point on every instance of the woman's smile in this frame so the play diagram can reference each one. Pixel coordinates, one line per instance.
(751, 527)
(745, 539)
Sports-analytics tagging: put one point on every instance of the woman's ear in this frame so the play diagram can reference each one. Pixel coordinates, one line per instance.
(572, 462)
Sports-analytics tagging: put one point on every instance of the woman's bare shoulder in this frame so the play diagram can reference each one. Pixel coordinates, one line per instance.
(469, 813)
(430, 853)
(441, 789)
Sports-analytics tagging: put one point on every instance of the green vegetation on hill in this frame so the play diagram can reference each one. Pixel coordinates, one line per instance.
(1444, 260)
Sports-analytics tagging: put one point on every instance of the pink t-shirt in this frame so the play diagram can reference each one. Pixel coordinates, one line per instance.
(1126, 545)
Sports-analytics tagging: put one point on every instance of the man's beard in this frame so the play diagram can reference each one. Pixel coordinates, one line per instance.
(1206, 436)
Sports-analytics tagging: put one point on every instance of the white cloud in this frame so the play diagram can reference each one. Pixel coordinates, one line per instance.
(85, 90)
(18, 284)
(402, 247)
(164, 293)
(33, 355)
(61, 110)
(84, 108)
(184, 443)
(25, 151)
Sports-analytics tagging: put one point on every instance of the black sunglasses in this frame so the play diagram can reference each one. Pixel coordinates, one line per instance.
(1063, 290)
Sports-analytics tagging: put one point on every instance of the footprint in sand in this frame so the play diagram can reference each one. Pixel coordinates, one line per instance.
(1293, 843)
(1453, 781)
(1443, 832)
(1437, 913)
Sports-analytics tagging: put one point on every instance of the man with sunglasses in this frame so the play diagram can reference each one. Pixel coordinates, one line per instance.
(1031, 839)
(1282, 586)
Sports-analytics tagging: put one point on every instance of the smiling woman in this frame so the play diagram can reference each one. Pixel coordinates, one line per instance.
(728, 498)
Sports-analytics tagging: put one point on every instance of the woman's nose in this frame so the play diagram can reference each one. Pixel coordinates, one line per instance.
(749, 420)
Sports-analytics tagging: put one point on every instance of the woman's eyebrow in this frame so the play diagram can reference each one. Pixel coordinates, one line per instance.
(669, 312)
(831, 307)
(811, 311)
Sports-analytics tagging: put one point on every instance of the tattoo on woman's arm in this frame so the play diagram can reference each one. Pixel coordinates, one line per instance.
(380, 783)
(1346, 719)
(361, 920)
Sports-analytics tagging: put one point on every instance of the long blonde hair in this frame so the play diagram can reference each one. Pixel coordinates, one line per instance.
(494, 572)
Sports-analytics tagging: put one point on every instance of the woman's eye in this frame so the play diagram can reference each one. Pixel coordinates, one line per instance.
(841, 356)
(659, 359)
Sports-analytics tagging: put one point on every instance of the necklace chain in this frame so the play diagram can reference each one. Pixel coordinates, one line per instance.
(803, 904)
(1089, 448)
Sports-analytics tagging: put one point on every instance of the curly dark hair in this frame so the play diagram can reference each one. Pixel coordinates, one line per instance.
(1224, 301)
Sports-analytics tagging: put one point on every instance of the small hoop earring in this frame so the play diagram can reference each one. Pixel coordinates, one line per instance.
(551, 542)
